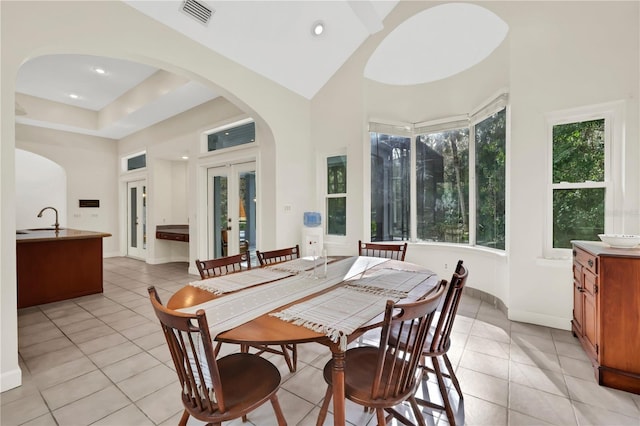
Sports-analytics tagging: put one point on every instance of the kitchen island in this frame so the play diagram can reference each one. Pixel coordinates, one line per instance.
(57, 265)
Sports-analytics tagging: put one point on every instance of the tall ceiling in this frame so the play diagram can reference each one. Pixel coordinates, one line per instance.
(273, 38)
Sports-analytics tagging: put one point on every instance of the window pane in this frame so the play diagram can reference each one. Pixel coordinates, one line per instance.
(133, 220)
(227, 138)
(578, 214)
(490, 139)
(337, 175)
(442, 185)
(390, 185)
(578, 152)
(137, 162)
(337, 216)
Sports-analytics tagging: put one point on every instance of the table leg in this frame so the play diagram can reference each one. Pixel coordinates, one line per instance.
(338, 387)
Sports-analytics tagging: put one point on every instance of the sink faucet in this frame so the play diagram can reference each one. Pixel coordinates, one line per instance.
(57, 225)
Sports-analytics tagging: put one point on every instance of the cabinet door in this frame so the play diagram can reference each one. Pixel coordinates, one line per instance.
(590, 306)
(578, 303)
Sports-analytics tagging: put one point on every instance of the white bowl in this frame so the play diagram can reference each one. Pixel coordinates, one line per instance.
(620, 240)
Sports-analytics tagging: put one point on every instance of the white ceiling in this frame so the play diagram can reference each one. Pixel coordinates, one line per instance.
(272, 38)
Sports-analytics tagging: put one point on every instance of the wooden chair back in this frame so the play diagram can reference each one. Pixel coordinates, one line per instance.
(214, 390)
(223, 265)
(277, 256)
(442, 334)
(191, 349)
(386, 250)
(397, 374)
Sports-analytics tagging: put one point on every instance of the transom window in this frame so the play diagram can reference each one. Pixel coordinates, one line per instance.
(134, 162)
(234, 135)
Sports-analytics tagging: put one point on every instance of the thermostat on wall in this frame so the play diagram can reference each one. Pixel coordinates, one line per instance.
(89, 203)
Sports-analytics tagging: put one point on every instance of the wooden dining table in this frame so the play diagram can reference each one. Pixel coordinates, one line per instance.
(266, 329)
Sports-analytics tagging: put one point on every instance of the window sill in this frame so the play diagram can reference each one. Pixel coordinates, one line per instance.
(556, 262)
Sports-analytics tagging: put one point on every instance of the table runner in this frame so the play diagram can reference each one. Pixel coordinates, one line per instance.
(340, 312)
(234, 309)
(389, 282)
(239, 280)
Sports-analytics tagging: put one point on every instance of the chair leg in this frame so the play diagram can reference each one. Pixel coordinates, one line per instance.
(287, 358)
(416, 411)
(184, 418)
(278, 410)
(216, 351)
(452, 375)
(294, 352)
(443, 391)
(382, 419)
(325, 406)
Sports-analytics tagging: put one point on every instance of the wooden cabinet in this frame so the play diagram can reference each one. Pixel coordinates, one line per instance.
(606, 311)
(53, 266)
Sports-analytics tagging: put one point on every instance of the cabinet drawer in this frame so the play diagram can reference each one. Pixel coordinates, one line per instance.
(172, 236)
(586, 259)
(577, 272)
(590, 283)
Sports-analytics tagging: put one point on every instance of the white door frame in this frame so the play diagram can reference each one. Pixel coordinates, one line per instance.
(232, 173)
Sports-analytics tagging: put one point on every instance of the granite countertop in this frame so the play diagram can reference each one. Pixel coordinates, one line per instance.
(173, 229)
(49, 234)
(599, 248)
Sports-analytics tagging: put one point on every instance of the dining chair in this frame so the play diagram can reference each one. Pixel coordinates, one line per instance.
(268, 258)
(387, 375)
(439, 341)
(215, 390)
(277, 256)
(386, 250)
(223, 265)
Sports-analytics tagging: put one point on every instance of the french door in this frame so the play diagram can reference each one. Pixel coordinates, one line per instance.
(137, 219)
(231, 210)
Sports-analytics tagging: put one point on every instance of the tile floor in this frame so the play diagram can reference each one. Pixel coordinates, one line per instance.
(102, 360)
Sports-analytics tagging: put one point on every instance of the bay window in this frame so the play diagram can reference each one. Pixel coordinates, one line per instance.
(458, 188)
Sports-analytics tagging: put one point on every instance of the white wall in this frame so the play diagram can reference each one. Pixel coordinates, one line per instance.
(550, 60)
(282, 116)
(39, 183)
(559, 62)
(167, 205)
(90, 164)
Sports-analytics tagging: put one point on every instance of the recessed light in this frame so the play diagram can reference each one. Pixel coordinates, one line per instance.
(99, 70)
(317, 28)
(73, 96)
(185, 157)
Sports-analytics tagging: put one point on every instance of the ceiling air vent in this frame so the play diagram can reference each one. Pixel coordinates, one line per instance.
(197, 10)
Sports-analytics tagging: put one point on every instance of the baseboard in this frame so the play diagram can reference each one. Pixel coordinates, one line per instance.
(10, 379)
(540, 319)
(487, 297)
(161, 260)
(517, 315)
